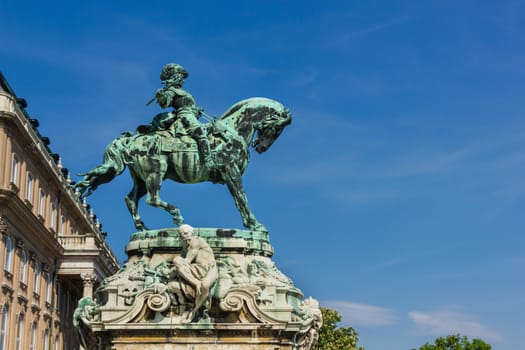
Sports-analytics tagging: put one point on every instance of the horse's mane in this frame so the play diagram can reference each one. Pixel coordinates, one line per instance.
(252, 102)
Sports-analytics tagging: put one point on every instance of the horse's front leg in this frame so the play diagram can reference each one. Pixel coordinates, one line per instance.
(153, 184)
(234, 183)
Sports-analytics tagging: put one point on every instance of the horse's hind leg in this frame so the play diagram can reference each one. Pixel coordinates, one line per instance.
(132, 200)
(153, 184)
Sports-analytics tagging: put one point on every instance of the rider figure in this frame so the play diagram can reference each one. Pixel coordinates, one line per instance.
(186, 110)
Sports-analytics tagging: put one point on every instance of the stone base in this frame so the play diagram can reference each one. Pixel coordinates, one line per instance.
(252, 305)
(213, 337)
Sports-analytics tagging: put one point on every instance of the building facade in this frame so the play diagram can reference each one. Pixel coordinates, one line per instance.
(52, 250)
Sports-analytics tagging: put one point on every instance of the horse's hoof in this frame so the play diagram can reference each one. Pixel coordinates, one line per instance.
(178, 221)
(140, 226)
(258, 227)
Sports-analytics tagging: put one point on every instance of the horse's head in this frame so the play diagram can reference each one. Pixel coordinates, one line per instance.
(269, 129)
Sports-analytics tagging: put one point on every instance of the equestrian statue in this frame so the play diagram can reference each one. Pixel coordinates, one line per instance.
(176, 146)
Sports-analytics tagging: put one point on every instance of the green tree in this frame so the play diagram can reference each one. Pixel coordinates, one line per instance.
(332, 337)
(456, 342)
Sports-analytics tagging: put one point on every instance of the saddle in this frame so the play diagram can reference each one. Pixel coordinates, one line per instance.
(176, 143)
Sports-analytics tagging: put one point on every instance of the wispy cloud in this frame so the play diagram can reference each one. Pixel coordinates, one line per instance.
(450, 320)
(345, 37)
(379, 26)
(424, 162)
(314, 172)
(363, 195)
(363, 314)
(386, 264)
(304, 78)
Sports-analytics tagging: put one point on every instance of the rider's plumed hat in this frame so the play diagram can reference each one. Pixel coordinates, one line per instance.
(172, 68)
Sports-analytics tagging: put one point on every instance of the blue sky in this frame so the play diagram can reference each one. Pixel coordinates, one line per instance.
(397, 196)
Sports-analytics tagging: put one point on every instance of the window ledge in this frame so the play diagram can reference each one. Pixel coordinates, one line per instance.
(23, 286)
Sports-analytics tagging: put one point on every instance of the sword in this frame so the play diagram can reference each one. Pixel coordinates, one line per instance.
(167, 86)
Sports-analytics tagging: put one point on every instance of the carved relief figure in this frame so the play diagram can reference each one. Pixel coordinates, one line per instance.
(193, 273)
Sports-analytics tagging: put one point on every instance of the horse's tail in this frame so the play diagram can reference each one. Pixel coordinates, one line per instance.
(113, 166)
(114, 155)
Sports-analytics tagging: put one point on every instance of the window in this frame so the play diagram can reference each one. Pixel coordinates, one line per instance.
(56, 342)
(53, 216)
(36, 284)
(20, 332)
(32, 345)
(58, 296)
(14, 171)
(8, 254)
(23, 267)
(49, 286)
(63, 226)
(3, 330)
(42, 203)
(46, 339)
(29, 188)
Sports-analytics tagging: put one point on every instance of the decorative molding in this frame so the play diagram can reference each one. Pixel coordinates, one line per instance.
(14, 188)
(28, 203)
(22, 299)
(35, 309)
(6, 288)
(88, 278)
(47, 315)
(8, 275)
(23, 286)
(4, 229)
(20, 245)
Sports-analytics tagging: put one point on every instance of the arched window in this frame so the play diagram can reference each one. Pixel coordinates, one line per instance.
(49, 287)
(20, 332)
(36, 283)
(23, 267)
(14, 171)
(8, 254)
(3, 330)
(32, 345)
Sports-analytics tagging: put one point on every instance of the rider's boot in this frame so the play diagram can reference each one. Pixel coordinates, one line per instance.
(204, 148)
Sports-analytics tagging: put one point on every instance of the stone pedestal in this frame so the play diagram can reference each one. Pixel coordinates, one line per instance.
(252, 305)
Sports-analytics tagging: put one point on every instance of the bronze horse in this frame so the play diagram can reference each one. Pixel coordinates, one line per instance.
(172, 154)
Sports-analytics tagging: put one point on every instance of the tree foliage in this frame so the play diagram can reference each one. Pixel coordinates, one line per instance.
(456, 342)
(332, 337)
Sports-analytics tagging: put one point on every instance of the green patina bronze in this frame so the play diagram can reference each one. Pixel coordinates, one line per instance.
(176, 146)
(202, 288)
